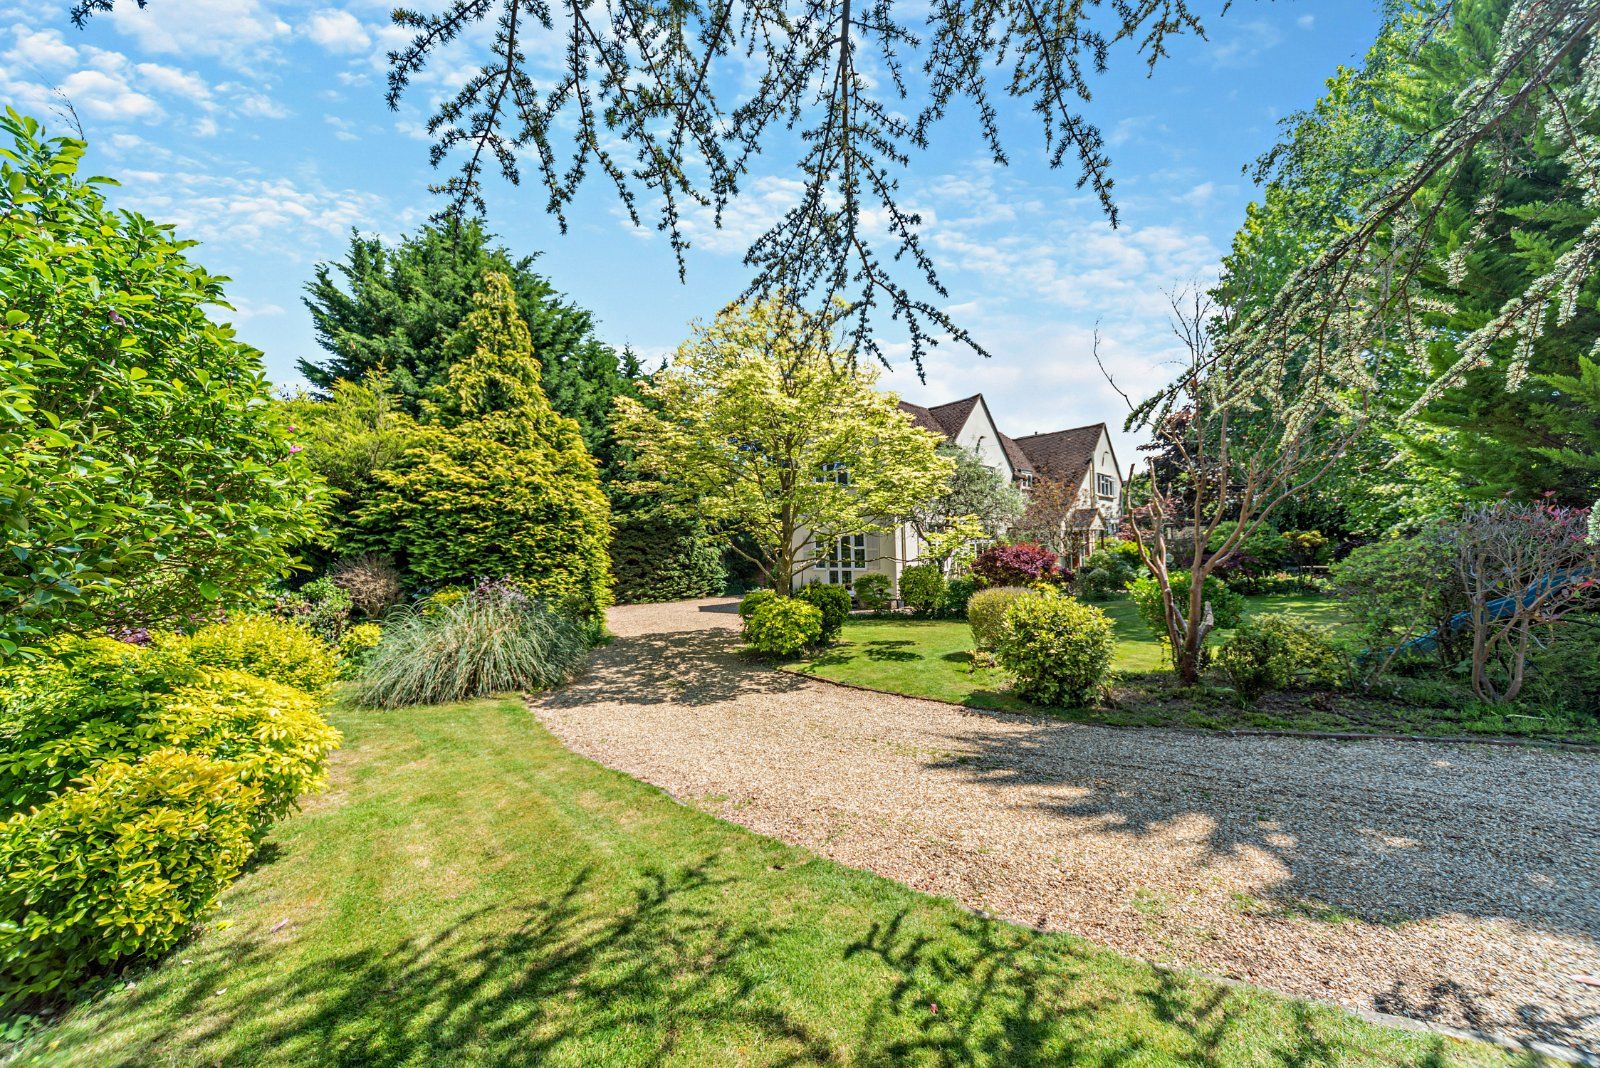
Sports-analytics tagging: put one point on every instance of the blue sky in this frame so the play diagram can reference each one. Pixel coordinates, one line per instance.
(258, 126)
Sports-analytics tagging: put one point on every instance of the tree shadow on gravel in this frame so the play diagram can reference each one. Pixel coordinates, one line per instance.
(687, 667)
(1382, 834)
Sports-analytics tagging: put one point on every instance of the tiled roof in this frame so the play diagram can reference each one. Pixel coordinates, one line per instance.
(1064, 454)
(923, 418)
(953, 416)
(1019, 459)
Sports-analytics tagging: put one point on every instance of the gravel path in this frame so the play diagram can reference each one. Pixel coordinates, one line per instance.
(1459, 884)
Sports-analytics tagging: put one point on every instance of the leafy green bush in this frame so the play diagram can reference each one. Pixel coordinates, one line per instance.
(874, 591)
(355, 648)
(499, 483)
(1401, 588)
(320, 606)
(495, 640)
(1565, 675)
(1059, 649)
(922, 588)
(834, 604)
(94, 700)
(957, 595)
(124, 865)
(1278, 650)
(266, 647)
(752, 602)
(1097, 584)
(784, 626)
(987, 609)
(146, 475)
(659, 554)
(1227, 607)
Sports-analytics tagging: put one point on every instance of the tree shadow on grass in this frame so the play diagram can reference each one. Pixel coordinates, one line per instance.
(668, 970)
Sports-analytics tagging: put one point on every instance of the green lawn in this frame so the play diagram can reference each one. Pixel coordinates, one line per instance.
(472, 893)
(934, 658)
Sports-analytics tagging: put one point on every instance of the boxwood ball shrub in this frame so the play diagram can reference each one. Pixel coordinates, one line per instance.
(834, 604)
(752, 602)
(1227, 607)
(987, 609)
(124, 865)
(1276, 651)
(494, 640)
(922, 588)
(874, 591)
(784, 626)
(267, 647)
(1058, 648)
(95, 700)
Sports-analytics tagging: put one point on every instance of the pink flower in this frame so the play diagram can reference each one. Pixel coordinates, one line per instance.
(293, 449)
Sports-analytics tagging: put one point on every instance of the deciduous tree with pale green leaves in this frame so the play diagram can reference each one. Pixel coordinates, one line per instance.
(764, 421)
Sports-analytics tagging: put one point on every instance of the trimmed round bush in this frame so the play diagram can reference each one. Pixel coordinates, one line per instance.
(753, 601)
(1059, 649)
(874, 591)
(1097, 584)
(124, 865)
(1227, 607)
(494, 640)
(784, 626)
(267, 647)
(987, 610)
(1276, 651)
(96, 700)
(922, 588)
(834, 604)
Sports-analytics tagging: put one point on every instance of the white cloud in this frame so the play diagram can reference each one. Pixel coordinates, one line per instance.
(102, 95)
(40, 49)
(1245, 44)
(338, 31)
(269, 213)
(241, 32)
(1306, 22)
(174, 82)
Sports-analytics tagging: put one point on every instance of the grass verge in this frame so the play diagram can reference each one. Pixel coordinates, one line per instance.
(472, 893)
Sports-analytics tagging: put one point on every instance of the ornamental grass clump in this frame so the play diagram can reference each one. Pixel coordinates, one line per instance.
(1059, 649)
(495, 640)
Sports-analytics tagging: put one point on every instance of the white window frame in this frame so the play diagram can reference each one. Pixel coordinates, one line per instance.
(842, 559)
(1105, 484)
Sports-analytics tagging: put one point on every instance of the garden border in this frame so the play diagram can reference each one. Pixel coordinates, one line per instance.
(1553, 744)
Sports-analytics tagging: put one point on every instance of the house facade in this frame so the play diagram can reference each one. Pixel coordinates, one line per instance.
(1078, 465)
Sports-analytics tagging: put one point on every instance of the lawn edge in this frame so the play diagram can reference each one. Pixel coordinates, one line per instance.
(1556, 745)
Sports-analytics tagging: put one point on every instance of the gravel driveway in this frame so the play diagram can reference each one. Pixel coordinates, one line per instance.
(1459, 884)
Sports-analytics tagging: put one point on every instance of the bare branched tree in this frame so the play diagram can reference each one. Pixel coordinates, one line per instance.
(1234, 439)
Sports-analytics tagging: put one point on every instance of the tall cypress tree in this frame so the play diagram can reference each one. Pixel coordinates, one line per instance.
(394, 309)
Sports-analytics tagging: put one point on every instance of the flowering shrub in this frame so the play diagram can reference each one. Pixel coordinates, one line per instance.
(987, 610)
(922, 588)
(1014, 565)
(874, 591)
(1059, 649)
(265, 646)
(783, 626)
(834, 604)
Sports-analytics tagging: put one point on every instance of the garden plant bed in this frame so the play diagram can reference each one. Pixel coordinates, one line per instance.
(1456, 884)
(934, 659)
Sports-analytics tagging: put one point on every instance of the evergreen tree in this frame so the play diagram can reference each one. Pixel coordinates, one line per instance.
(392, 310)
(496, 482)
